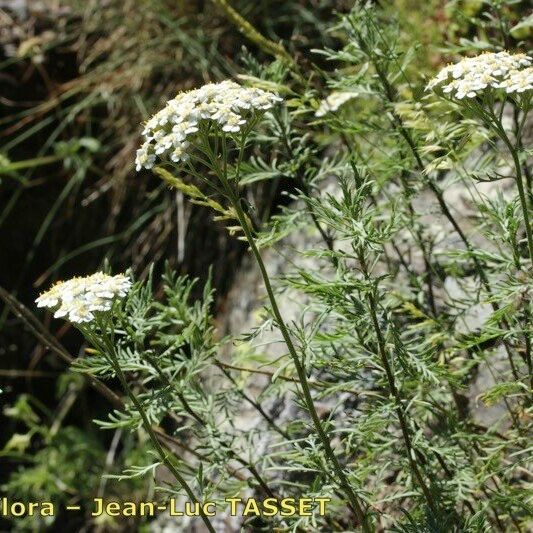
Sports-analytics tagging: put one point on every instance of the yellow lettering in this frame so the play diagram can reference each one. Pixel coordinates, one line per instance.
(146, 509)
(99, 509)
(173, 508)
(47, 509)
(206, 508)
(322, 505)
(288, 507)
(270, 507)
(233, 505)
(251, 506)
(130, 509)
(190, 510)
(113, 509)
(306, 505)
(32, 506)
(17, 509)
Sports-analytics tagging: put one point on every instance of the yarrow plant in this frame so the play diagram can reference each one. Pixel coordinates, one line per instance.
(87, 302)
(207, 153)
(219, 103)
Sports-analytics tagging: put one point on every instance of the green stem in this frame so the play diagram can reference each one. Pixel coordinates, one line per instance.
(253, 403)
(399, 406)
(110, 353)
(343, 480)
(398, 123)
(29, 163)
(275, 49)
(520, 185)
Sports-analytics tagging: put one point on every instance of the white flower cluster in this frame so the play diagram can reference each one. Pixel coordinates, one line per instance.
(169, 132)
(78, 298)
(501, 70)
(519, 81)
(333, 102)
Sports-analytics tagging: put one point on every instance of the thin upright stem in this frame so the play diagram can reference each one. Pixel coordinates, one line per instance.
(111, 355)
(399, 406)
(520, 186)
(355, 503)
(256, 405)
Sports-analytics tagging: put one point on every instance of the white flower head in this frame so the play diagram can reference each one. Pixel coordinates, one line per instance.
(333, 101)
(518, 81)
(473, 75)
(170, 132)
(79, 298)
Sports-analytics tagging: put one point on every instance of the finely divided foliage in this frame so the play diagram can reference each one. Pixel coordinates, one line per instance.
(403, 388)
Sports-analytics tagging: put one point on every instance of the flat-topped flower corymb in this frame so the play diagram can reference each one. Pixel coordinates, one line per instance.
(471, 76)
(77, 299)
(169, 133)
